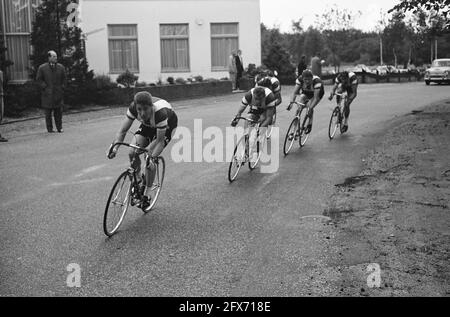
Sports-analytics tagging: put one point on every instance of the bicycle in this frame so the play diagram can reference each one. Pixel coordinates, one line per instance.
(337, 116)
(130, 190)
(241, 154)
(297, 131)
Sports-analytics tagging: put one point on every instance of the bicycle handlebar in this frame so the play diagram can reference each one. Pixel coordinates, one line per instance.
(298, 103)
(113, 145)
(246, 119)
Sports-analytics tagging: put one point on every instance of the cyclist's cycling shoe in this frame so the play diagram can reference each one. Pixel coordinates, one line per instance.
(308, 129)
(145, 203)
(344, 128)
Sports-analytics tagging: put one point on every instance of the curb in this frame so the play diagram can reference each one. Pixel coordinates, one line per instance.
(42, 117)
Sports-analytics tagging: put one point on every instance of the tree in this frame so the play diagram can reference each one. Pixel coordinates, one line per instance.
(277, 58)
(336, 18)
(440, 7)
(397, 37)
(52, 32)
(314, 42)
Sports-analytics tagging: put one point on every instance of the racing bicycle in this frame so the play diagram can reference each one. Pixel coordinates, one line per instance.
(241, 154)
(127, 190)
(297, 129)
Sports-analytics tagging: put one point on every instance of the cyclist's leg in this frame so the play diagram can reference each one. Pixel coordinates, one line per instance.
(151, 167)
(351, 95)
(253, 132)
(339, 90)
(140, 139)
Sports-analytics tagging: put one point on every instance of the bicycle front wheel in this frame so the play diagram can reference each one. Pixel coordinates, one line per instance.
(238, 159)
(306, 120)
(291, 136)
(117, 205)
(334, 123)
(157, 184)
(252, 164)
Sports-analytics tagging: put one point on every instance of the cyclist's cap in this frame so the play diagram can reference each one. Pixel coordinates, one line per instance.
(143, 98)
(259, 92)
(344, 74)
(307, 74)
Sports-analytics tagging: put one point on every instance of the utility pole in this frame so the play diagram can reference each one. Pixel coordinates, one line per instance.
(381, 51)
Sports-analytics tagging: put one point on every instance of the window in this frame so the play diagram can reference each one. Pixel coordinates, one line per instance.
(174, 47)
(123, 48)
(16, 18)
(224, 39)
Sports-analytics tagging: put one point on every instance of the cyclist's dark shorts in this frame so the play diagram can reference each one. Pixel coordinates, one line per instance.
(311, 96)
(150, 133)
(349, 89)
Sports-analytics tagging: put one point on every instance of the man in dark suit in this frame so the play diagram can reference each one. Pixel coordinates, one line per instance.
(51, 77)
(2, 139)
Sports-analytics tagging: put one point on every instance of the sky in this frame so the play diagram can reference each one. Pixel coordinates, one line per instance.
(282, 12)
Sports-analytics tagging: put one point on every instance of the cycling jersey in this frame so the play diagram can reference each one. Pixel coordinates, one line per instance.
(165, 118)
(308, 90)
(163, 112)
(352, 79)
(248, 100)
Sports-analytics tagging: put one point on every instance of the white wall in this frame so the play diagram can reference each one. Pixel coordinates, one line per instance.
(148, 14)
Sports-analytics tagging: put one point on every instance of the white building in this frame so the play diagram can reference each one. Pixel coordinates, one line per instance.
(157, 39)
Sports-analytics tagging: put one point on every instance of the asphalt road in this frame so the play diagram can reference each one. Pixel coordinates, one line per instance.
(255, 237)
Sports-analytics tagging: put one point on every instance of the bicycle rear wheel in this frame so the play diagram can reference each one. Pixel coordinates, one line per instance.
(291, 136)
(334, 123)
(305, 119)
(157, 184)
(238, 160)
(117, 204)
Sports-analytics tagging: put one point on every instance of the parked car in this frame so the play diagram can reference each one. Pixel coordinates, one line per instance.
(392, 69)
(439, 72)
(381, 70)
(360, 68)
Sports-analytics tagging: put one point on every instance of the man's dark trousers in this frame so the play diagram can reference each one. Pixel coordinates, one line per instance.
(57, 113)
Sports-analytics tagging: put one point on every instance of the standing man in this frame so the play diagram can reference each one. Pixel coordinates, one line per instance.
(316, 65)
(51, 77)
(2, 139)
(232, 69)
(301, 66)
(239, 67)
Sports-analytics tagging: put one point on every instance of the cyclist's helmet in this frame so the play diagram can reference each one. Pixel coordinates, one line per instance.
(307, 74)
(265, 82)
(259, 93)
(143, 98)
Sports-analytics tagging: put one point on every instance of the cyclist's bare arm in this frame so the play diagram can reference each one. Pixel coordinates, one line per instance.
(333, 91)
(157, 145)
(296, 92)
(316, 99)
(268, 118)
(241, 110)
(126, 125)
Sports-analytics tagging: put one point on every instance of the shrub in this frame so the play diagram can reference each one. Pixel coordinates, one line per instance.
(171, 80)
(20, 97)
(180, 81)
(104, 82)
(198, 78)
(127, 79)
(141, 84)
